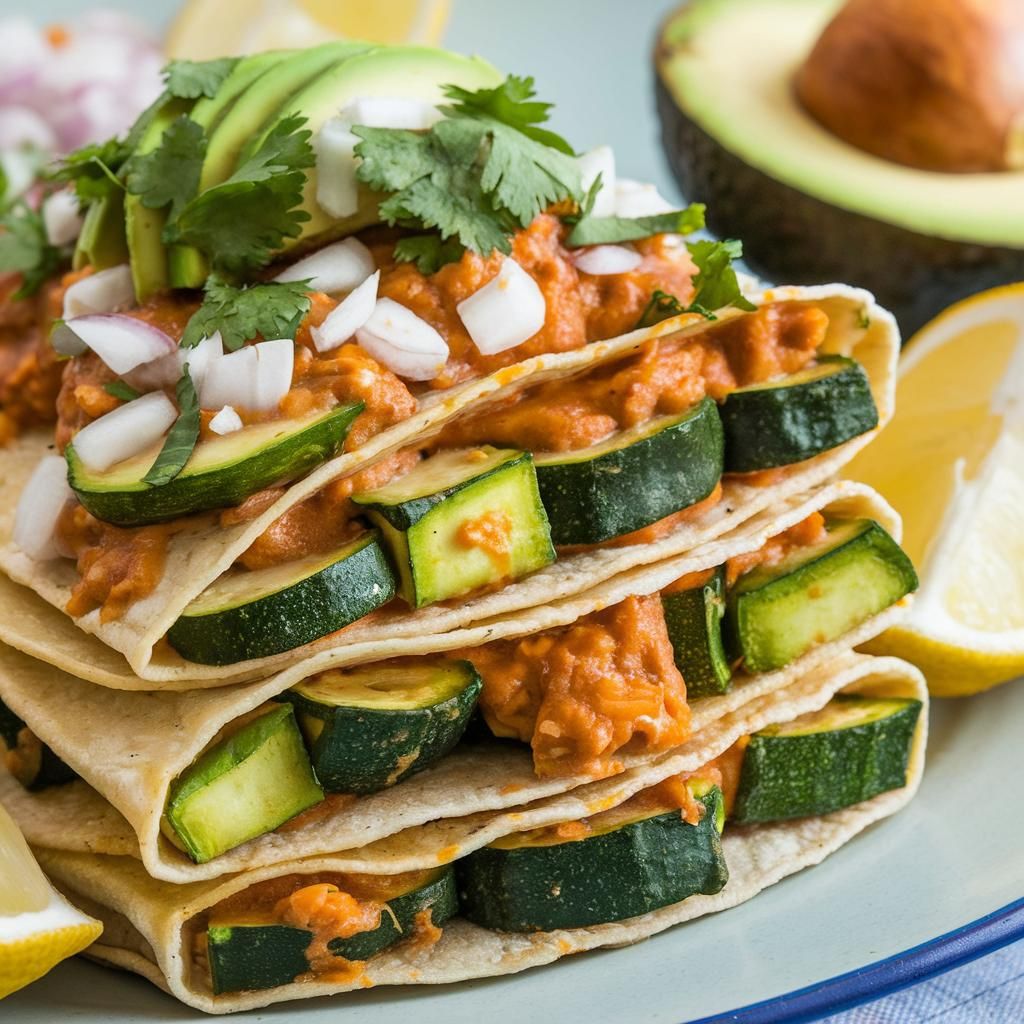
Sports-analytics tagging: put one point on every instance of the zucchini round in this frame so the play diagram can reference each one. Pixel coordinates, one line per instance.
(256, 614)
(634, 478)
(693, 618)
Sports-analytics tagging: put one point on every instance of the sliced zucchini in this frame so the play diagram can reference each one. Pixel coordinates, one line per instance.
(245, 954)
(694, 621)
(816, 593)
(462, 520)
(256, 614)
(246, 785)
(368, 728)
(851, 750)
(222, 471)
(535, 881)
(28, 759)
(784, 421)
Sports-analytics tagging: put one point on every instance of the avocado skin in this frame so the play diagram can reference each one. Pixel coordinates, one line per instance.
(792, 237)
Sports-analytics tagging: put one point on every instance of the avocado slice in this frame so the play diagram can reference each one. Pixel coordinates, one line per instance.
(808, 206)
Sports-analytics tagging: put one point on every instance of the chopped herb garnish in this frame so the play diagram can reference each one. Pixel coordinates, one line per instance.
(121, 390)
(611, 230)
(181, 440)
(476, 176)
(190, 79)
(273, 310)
(716, 285)
(25, 249)
(661, 307)
(93, 169)
(169, 175)
(242, 222)
(429, 252)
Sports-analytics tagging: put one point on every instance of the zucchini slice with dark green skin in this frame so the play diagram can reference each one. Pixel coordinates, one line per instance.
(851, 750)
(368, 728)
(462, 520)
(248, 955)
(256, 614)
(28, 759)
(815, 594)
(222, 471)
(694, 621)
(533, 882)
(634, 478)
(246, 785)
(787, 420)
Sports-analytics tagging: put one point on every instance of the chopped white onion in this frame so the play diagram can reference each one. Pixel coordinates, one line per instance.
(125, 432)
(122, 342)
(508, 309)
(403, 342)
(199, 358)
(61, 217)
(607, 259)
(39, 508)
(255, 377)
(592, 163)
(390, 112)
(338, 267)
(164, 372)
(337, 190)
(637, 199)
(348, 316)
(227, 421)
(104, 292)
(275, 361)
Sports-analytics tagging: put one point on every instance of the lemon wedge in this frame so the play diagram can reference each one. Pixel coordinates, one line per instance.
(952, 462)
(38, 927)
(220, 28)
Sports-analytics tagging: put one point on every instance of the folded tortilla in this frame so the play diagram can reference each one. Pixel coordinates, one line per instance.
(131, 746)
(147, 922)
(858, 327)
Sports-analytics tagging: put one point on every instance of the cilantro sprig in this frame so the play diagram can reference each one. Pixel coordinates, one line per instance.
(25, 248)
(612, 230)
(190, 79)
(169, 175)
(181, 441)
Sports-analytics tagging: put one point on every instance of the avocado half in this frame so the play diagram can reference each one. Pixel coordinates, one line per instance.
(809, 207)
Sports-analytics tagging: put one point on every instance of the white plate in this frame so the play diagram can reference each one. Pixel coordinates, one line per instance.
(941, 882)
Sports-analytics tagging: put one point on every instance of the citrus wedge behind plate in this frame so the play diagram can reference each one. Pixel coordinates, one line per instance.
(952, 462)
(220, 28)
(38, 927)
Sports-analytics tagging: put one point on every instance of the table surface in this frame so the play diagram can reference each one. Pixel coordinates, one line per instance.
(591, 58)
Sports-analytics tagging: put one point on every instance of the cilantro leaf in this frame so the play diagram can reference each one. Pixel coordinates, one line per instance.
(121, 390)
(25, 249)
(429, 252)
(274, 310)
(93, 169)
(660, 307)
(170, 173)
(240, 223)
(190, 79)
(609, 230)
(715, 283)
(181, 440)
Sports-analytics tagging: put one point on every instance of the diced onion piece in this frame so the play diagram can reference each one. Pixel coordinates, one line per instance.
(61, 217)
(39, 508)
(255, 377)
(348, 316)
(165, 372)
(125, 432)
(122, 342)
(337, 190)
(390, 112)
(592, 163)
(338, 267)
(105, 292)
(227, 421)
(607, 259)
(199, 357)
(275, 361)
(637, 199)
(508, 309)
(403, 342)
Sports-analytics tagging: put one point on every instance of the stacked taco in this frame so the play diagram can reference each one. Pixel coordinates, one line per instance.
(437, 567)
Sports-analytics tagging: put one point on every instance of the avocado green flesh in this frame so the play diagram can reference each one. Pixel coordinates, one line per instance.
(243, 787)
(747, 104)
(102, 242)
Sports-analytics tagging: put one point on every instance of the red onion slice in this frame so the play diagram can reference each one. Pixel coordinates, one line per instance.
(39, 508)
(607, 259)
(125, 432)
(404, 343)
(122, 342)
(592, 163)
(337, 190)
(508, 309)
(61, 218)
(338, 267)
(105, 292)
(227, 421)
(348, 316)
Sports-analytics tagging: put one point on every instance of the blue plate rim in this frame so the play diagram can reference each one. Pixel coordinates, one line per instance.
(883, 977)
